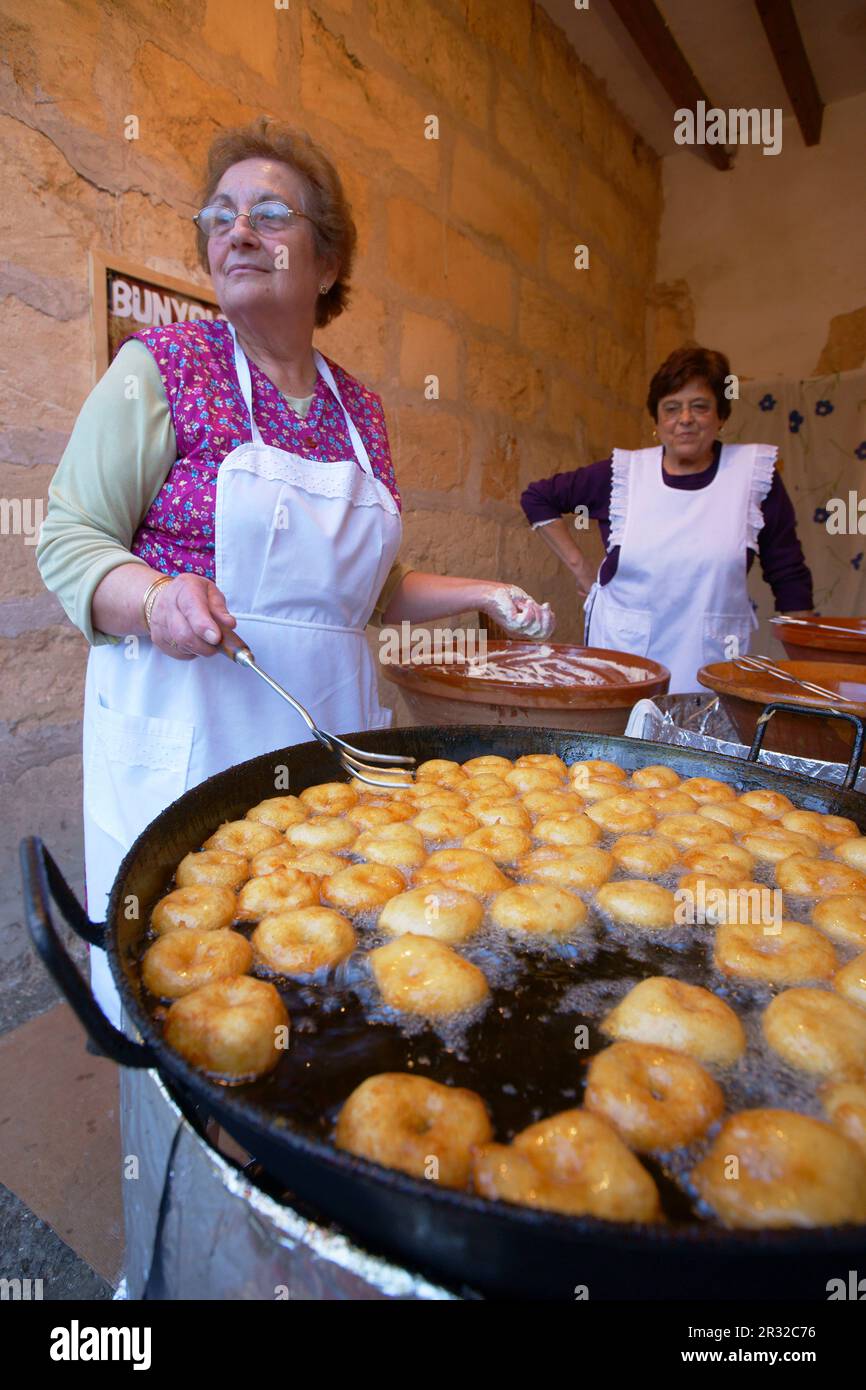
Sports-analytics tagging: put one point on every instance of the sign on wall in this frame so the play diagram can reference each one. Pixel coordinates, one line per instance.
(127, 296)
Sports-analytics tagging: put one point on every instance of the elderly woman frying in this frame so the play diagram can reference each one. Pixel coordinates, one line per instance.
(225, 473)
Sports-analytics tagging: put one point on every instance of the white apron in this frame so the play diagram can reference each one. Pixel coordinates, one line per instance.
(302, 550)
(679, 594)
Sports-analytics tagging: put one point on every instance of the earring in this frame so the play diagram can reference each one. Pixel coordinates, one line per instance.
(323, 289)
(655, 434)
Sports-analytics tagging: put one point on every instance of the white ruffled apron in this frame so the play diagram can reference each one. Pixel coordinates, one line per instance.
(302, 550)
(679, 595)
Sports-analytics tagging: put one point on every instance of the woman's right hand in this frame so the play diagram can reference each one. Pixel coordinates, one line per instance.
(187, 616)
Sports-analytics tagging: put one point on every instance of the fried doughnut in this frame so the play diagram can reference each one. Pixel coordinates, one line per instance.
(371, 815)
(181, 961)
(728, 862)
(843, 917)
(668, 802)
(437, 824)
(621, 813)
(438, 909)
(773, 843)
(244, 837)
(598, 788)
(708, 791)
(738, 818)
(853, 853)
(361, 887)
(845, 1107)
(441, 770)
(586, 867)
(400, 845)
(218, 866)
(773, 805)
(653, 1097)
(656, 777)
(791, 1170)
(504, 843)
(406, 1122)
(322, 832)
(464, 868)
(827, 830)
(792, 955)
(318, 861)
(234, 1029)
(806, 877)
(488, 762)
(202, 906)
(489, 786)
(851, 980)
(302, 941)
(269, 861)
(488, 811)
(692, 830)
(278, 811)
(425, 795)
(596, 770)
(563, 828)
(276, 892)
(548, 761)
(817, 1032)
(648, 855)
(398, 782)
(538, 909)
(636, 903)
(685, 1018)
(573, 1163)
(532, 779)
(540, 804)
(419, 975)
(329, 799)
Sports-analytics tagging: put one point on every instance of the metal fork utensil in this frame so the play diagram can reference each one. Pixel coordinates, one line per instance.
(761, 664)
(818, 623)
(355, 760)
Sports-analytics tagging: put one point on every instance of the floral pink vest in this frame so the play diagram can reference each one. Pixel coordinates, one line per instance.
(196, 364)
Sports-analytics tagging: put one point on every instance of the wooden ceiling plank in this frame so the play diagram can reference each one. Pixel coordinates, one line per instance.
(786, 41)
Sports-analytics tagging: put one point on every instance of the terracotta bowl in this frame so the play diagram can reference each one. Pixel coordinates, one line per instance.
(816, 643)
(532, 683)
(743, 695)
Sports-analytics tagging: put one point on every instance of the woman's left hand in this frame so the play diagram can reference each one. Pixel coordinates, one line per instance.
(517, 611)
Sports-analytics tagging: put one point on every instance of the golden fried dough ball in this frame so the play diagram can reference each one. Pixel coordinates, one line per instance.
(827, 830)
(415, 1125)
(853, 853)
(738, 818)
(362, 887)
(656, 777)
(692, 830)
(488, 763)
(303, 940)
(441, 770)
(279, 812)
(234, 1029)
(244, 837)
(564, 828)
(817, 1032)
(371, 815)
(579, 867)
(621, 814)
(464, 868)
(322, 832)
(540, 804)
(790, 1170)
(596, 770)
(329, 799)
(685, 1018)
(851, 980)
(281, 856)
(669, 802)
(636, 903)
(216, 866)
(807, 877)
(550, 762)
(438, 909)
(392, 783)
(425, 795)
(572, 1163)
(650, 855)
(653, 1097)
(488, 786)
(843, 916)
(773, 805)
(708, 790)
(538, 909)
(202, 906)
(276, 892)
(488, 811)
(594, 789)
(533, 779)
(400, 845)
(182, 961)
(791, 955)
(437, 824)
(504, 843)
(773, 843)
(419, 975)
(317, 861)
(845, 1107)
(728, 862)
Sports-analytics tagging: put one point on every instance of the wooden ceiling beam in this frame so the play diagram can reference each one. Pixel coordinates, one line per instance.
(660, 50)
(786, 41)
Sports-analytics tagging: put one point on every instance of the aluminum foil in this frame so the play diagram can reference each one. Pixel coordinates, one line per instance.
(197, 1228)
(694, 721)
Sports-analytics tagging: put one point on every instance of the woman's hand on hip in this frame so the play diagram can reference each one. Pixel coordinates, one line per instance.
(187, 617)
(517, 611)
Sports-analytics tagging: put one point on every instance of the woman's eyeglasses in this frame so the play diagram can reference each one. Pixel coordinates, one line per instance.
(267, 216)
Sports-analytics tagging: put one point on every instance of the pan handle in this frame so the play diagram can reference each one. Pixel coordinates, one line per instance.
(43, 881)
(859, 733)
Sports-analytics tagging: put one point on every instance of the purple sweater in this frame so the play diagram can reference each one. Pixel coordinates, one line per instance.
(782, 562)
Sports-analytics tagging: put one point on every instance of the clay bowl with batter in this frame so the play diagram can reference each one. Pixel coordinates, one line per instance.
(744, 694)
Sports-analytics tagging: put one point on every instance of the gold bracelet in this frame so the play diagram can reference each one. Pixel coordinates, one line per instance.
(150, 597)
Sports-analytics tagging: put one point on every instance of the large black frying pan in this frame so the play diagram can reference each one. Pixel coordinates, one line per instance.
(463, 1240)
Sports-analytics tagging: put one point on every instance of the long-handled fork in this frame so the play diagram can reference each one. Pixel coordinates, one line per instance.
(354, 760)
(762, 664)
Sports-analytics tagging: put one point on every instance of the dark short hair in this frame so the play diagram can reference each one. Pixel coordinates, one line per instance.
(683, 365)
(323, 196)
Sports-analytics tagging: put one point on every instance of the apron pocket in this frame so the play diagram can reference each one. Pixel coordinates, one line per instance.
(136, 766)
(725, 636)
(621, 629)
